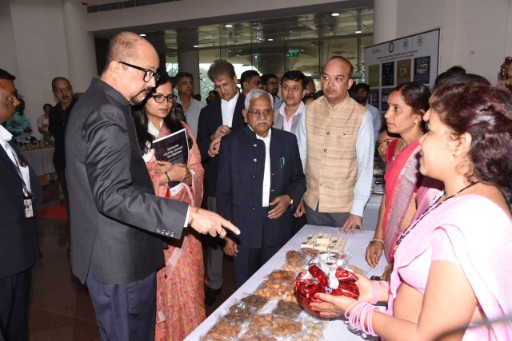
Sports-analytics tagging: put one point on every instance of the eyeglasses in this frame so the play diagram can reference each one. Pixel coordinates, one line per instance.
(257, 113)
(160, 98)
(63, 90)
(148, 74)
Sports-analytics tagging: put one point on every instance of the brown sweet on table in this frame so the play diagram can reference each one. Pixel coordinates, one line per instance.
(294, 261)
(287, 309)
(288, 276)
(222, 331)
(293, 256)
(238, 314)
(255, 301)
(260, 322)
(275, 290)
(256, 335)
(281, 326)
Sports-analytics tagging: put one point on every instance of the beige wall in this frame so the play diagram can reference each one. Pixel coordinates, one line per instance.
(475, 34)
(35, 48)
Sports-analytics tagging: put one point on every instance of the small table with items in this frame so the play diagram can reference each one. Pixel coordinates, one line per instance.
(41, 160)
(304, 323)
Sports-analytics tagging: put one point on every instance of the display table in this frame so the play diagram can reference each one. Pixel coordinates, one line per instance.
(41, 160)
(336, 329)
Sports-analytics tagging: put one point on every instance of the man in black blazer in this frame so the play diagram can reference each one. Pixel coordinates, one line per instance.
(63, 92)
(116, 219)
(20, 195)
(260, 179)
(216, 120)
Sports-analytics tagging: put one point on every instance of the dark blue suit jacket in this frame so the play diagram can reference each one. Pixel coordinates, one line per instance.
(209, 120)
(240, 184)
(18, 235)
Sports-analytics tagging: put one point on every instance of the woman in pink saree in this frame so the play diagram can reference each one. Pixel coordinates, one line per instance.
(180, 283)
(451, 277)
(407, 104)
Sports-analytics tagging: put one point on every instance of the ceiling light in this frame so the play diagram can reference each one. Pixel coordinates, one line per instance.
(196, 46)
(335, 14)
(270, 39)
(142, 34)
(228, 26)
(358, 32)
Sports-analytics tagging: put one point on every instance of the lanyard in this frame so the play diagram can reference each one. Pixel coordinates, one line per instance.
(26, 192)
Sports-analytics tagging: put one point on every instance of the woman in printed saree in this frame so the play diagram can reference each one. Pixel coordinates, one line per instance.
(451, 276)
(180, 283)
(407, 104)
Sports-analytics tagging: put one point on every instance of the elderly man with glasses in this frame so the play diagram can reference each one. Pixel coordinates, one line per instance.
(260, 178)
(116, 219)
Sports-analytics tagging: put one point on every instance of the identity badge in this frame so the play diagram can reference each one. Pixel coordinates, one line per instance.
(29, 210)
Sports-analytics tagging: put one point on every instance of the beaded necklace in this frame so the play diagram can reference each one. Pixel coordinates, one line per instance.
(434, 205)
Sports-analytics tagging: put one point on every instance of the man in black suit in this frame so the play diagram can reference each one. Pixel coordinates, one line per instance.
(63, 92)
(20, 195)
(216, 120)
(116, 219)
(260, 177)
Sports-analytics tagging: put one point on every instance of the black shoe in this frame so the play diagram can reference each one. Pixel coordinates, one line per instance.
(211, 295)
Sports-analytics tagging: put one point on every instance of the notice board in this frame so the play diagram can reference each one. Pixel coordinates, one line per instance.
(412, 58)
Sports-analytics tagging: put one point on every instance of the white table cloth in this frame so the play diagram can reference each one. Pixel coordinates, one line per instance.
(41, 160)
(336, 329)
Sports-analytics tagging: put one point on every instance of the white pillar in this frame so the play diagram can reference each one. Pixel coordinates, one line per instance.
(79, 45)
(385, 17)
(188, 56)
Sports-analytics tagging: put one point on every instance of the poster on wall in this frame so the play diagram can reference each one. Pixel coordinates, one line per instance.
(403, 71)
(374, 75)
(388, 73)
(422, 70)
(384, 99)
(411, 58)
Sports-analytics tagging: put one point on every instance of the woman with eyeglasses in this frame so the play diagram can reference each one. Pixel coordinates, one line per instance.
(407, 104)
(180, 284)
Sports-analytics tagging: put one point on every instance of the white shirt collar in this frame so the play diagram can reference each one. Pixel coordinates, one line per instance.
(5, 135)
(299, 110)
(234, 99)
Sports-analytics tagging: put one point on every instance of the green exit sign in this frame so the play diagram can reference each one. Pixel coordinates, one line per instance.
(293, 52)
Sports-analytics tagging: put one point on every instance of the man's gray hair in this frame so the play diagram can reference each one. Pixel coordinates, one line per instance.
(257, 93)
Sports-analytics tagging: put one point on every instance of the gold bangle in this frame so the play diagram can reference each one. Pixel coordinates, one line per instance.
(194, 214)
(167, 176)
(378, 241)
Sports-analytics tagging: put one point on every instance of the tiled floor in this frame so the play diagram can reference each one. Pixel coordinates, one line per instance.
(60, 307)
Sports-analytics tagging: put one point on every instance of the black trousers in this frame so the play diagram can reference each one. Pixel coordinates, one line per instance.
(14, 296)
(124, 312)
(249, 259)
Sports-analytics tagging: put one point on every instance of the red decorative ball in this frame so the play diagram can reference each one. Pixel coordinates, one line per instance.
(310, 282)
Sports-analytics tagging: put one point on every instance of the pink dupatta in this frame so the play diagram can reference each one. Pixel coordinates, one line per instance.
(402, 179)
